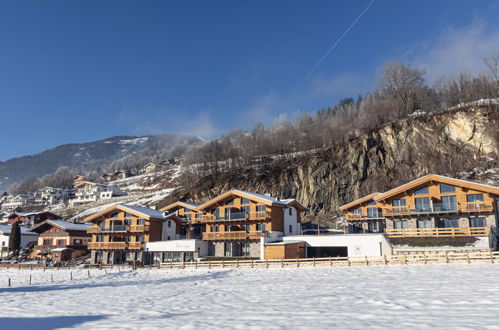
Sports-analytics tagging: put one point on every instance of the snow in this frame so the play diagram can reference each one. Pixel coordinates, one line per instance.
(375, 297)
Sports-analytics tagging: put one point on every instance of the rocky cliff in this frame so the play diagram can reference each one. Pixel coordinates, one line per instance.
(460, 143)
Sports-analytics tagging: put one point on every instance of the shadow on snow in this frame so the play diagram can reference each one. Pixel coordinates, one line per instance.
(45, 323)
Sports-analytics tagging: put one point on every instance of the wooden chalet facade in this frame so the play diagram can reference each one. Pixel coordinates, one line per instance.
(189, 225)
(56, 236)
(237, 220)
(119, 233)
(432, 205)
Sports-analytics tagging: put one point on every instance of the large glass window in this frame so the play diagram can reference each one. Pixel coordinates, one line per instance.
(371, 203)
(372, 212)
(245, 201)
(231, 202)
(451, 223)
(422, 191)
(424, 223)
(474, 198)
(261, 208)
(398, 202)
(449, 203)
(260, 227)
(245, 227)
(400, 224)
(214, 229)
(186, 210)
(445, 188)
(357, 211)
(245, 249)
(422, 204)
(477, 222)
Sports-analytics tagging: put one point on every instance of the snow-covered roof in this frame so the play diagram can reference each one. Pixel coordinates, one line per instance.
(6, 229)
(69, 225)
(261, 196)
(146, 211)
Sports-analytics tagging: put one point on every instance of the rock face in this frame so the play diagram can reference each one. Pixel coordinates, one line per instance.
(448, 143)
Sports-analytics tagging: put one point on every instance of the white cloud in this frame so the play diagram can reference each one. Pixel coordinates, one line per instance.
(456, 50)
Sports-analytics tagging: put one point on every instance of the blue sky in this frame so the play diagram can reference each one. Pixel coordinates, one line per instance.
(77, 71)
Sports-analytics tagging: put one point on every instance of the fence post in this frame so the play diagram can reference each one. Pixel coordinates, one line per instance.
(384, 259)
(446, 257)
(196, 264)
(223, 263)
(491, 257)
(9, 283)
(405, 259)
(330, 261)
(348, 261)
(171, 263)
(209, 264)
(71, 276)
(313, 260)
(297, 263)
(237, 263)
(251, 263)
(267, 263)
(52, 277)
(282, 263)
(29, 279)
(88, 273)
(468, 256)
(367, 261)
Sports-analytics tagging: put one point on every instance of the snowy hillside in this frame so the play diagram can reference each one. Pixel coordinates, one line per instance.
(374, 297)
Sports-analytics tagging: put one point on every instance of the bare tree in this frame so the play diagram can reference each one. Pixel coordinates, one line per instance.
(492, 63)
(399, 84)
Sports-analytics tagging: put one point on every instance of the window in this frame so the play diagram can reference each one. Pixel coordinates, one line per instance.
(260, 227)
(141, 221)
(445, 188)
(114, 215)
(245, 209)
(47, 241)
(400, 224)
(290, 228)
(100, 238)
(214, 229)
(474, 198)
(422, 191)
(245, 227)
(448, 204)
(128, 215)
(228, 227)
(477, 222)
(261, 208)
(61, 242)
(245, 249)
(373, 226)
(168, 238)
(398, 202)
(169, 223)
(77, 242)
(422, 204)
(357, 211)
(186, 210)
(140, 238)
(372, 212)
(424, 223)
(290, 211)
(371, 203)
(451, 223)
(231, 202)
(245, 201)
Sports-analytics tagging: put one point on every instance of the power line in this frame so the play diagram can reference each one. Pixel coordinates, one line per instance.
(336, 43)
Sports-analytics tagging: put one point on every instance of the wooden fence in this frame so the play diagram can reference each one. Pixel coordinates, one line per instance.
(439, 232)
(424, 258)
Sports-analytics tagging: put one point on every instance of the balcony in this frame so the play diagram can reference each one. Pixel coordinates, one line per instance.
(439, 232)
(396, 211)
(234, 235)
(93, 230)
(135, 245)
(137, 228)
(237, 216)
(477, 207)
(107, 245)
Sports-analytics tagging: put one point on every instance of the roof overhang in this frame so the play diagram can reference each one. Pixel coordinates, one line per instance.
(117, 208)
(359, 201)
(180, 204)
(237, 193)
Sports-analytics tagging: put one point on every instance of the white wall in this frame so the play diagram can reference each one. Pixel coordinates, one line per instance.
(25, 239)
(371, 245)
(291, 220)
(182, 245)
(169, 231)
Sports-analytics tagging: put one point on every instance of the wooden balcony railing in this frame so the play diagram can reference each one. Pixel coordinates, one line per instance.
(237, 216)
(353, 216)
(137, 228)
(233, 235)
(396, 211)
(439, 232)
(135, 245)
(477, 207)
(107, 245)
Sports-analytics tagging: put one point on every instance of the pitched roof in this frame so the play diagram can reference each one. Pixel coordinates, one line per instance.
(267, 200)
(182, 204)
(439, 178)
(61, 224)
(359, 201)
(140, 211)
(6, 229)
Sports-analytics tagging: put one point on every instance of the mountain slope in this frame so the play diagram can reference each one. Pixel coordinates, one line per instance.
(91, 156)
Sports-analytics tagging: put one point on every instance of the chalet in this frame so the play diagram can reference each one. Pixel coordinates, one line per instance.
(432, 205)
(56, 236)
(89, 192)
(120, 231)
(26, 238)
(149, 168)
(14, 202)
(79, 178)
(189, 215)
(52, 196)
(31, 218)
(237, 220)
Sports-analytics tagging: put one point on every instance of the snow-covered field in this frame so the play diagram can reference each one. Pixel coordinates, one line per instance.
(448, 296)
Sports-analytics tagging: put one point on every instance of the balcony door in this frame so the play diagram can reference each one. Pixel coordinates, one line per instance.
(422, 204)
(449, 203)
(424, 223)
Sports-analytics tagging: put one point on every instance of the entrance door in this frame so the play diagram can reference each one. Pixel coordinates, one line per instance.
(228, 249)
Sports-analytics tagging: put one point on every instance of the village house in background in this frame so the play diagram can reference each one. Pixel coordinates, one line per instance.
(191, 228)
(118, 175)
(60, 240)
(90, 192)
(431, 206)
(26, 238)
(31, 218)
(119, 233)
